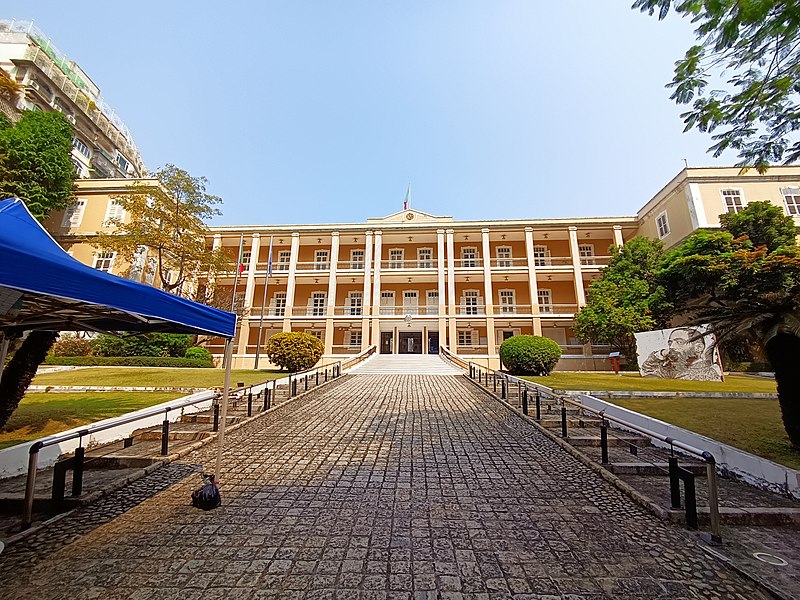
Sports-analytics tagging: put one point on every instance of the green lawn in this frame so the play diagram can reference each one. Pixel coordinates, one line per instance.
(39, 415)
(751, 425)
(153, 377)
(565, 380)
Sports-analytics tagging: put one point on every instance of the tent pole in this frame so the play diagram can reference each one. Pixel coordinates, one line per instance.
(226, 391)
(3, 352)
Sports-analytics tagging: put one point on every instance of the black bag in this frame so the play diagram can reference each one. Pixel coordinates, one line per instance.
(207, 495)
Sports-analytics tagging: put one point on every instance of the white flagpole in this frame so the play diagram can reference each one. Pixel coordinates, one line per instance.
(263, 302)
(224, 412)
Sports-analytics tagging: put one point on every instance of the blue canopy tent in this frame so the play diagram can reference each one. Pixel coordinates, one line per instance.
(44, 288)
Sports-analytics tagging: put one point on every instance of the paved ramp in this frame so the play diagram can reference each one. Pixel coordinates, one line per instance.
(378, 486)
(406, 364)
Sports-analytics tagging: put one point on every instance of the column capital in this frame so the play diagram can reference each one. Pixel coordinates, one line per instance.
(529, 229)
(449, 231)
(618, 227)
(573, 228)
(256, 236)
(440, 231)
(217, 236)
(378, 232)
(485, 230)
(295, 234)
(334, 234)
(368, 232)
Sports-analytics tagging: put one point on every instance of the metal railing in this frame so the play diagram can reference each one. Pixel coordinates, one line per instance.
(417, 264)
(508, 263)
(502, 383)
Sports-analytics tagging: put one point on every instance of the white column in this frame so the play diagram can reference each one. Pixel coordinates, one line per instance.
(366, 303)
(452, 338)
(580, 294)
(533, 287)
(215, 246)
(249, 292)
(334, 257)
(441, 279)
(376, 291)
(618, 241)
(487, 291)
(290, 281)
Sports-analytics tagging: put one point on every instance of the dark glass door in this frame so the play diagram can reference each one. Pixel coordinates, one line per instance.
(387, 342)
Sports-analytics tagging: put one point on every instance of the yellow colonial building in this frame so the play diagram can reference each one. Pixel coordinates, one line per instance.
(411, 282)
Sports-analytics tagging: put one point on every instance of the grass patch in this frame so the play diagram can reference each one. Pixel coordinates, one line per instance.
(153, 377)
(565, 380)
(754, 426)
(39, 415)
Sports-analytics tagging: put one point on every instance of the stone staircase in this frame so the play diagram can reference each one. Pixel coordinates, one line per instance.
(405, 364)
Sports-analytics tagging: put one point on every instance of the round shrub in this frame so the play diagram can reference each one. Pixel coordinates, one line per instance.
(198, 353)
(294, 351)
(529, 355)
(71, 345)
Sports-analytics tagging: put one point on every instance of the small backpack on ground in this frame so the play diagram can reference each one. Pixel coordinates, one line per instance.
(207, 495)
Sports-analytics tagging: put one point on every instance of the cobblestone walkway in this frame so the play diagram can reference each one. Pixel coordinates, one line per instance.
(385, 486)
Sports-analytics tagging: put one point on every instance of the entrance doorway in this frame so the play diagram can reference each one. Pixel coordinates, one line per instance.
(433, 342)
(410, 342)
(387, 342)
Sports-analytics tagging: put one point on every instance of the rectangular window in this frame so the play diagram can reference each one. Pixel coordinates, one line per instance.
(77, 166)
(137, 266)
(246, 254)
(317, 333)
(387, 303)
(469, 302)
(791, 197)
(355, 338)
(122, 162)
(432, 302)
(396, 258)
(318, 304)
(586, 253)
(354, 303)
(469, 257)
(278, 305)
(284, 257)
(150, 271)
(115, 214)
(73, 215)
(411, 302)
(425, 258)
(357, 259)
(662, 225)
(545, 301)
(732, 199)
(103, 261)
(81, 147)
(321, 261)
(507, 303)
(541, 256)
(503, 256)
(466, 337)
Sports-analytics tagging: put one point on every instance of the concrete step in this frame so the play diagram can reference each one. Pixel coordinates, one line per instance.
(405, 364)
(653, 469)
(615, 440)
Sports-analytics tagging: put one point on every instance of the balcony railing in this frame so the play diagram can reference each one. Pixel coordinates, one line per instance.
(408, 264)
(508, 263)
(468, 263)
(472, 349)
(350, 265)
(595, 261)
(409, 310)
(544, 262)
(346, 348)
(319, 265)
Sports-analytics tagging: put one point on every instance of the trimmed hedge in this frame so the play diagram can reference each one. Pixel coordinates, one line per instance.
(198, 353)
(748, 367)
(127, 361)
(529, 355)
(295, 351)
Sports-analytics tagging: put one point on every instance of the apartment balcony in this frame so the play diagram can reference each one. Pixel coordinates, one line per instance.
(320, 266)
(415, 310)
(468, 263)
(350, 265)
(59, 70)
(508, 263)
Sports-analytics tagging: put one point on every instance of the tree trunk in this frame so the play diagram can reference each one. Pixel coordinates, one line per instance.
(783, 351)
(21, 369)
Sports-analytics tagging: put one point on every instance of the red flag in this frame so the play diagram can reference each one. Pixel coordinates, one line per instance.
(241, 268)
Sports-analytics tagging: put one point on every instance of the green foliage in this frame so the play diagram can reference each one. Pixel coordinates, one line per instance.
(744, 292)
(626, 299)
(294, 351)
(170, 220)
(70, 345)
(754, 47)
(150, 344)
(529, 355)
(763, 223)
(198, 353)
(35, 162)
(21, 370)
(127, 361)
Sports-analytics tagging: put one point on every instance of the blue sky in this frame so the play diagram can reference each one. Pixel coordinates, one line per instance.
(322, 111)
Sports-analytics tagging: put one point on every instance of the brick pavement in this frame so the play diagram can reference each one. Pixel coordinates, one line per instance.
(382, 486)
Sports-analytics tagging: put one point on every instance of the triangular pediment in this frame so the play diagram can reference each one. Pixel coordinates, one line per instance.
(410, 216)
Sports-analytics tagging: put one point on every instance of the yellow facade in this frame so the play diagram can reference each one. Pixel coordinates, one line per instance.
(411, 281)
